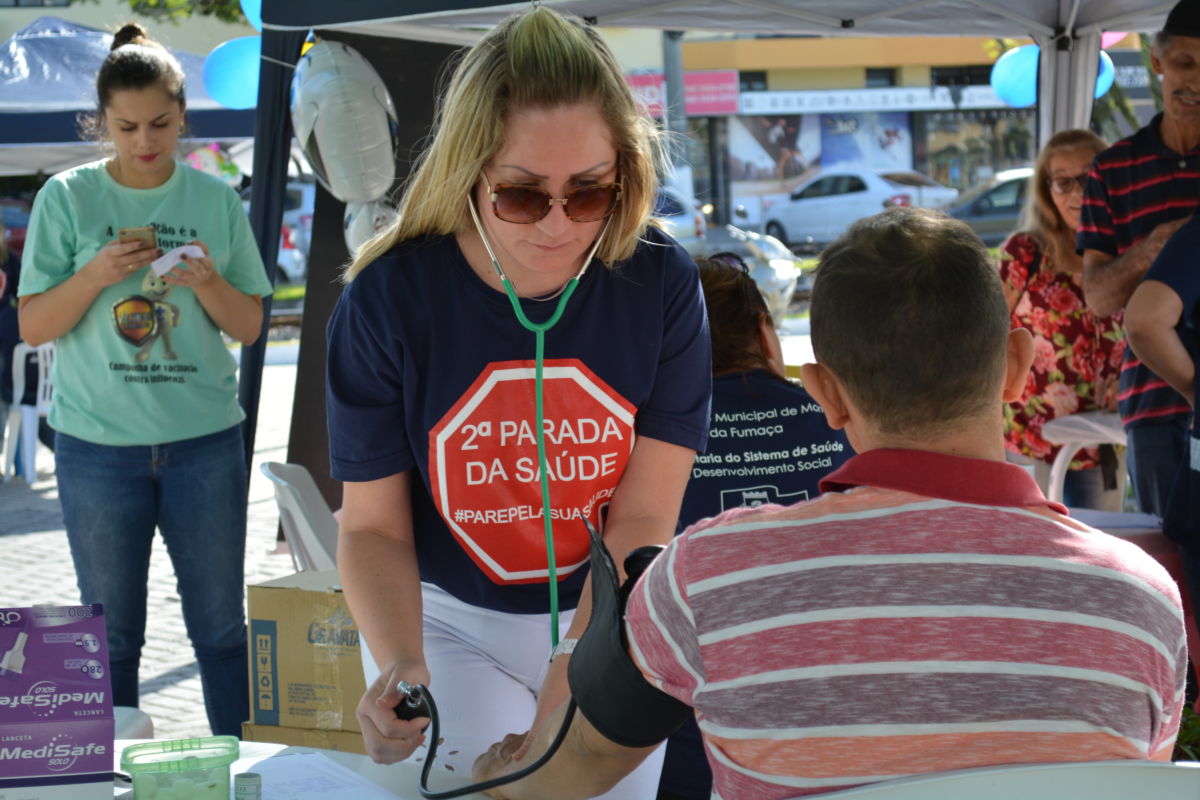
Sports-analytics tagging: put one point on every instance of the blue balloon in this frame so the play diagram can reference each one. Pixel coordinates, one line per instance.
(1014, 76)
(253, 11)
(231, 72)
(1105, 75)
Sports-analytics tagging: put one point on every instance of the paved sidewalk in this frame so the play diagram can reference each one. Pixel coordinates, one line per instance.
(35, 564)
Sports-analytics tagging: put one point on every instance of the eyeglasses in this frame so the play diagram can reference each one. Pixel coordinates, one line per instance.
(528, 204)
(1066, 184)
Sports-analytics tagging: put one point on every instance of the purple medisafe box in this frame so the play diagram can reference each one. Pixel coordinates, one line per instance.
(56, 713)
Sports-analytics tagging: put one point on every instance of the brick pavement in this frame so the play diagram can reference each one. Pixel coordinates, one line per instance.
(35, 565)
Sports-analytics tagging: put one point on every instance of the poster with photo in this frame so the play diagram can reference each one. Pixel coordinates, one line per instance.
(873, 140)
(773, 148)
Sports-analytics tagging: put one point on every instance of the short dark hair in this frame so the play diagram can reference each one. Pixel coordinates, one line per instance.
(909, 313)
(735, 310)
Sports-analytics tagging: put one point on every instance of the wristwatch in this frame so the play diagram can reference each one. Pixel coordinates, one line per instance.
(563, 648)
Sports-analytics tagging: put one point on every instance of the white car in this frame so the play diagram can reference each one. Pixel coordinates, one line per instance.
(774, 268)
(821, 209)
(296, 232)
(682, 221)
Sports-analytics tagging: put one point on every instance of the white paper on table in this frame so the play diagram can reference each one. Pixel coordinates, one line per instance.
(166, 262)
(300, 776)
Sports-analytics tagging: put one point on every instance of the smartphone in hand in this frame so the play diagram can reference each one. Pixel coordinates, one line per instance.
(143, 233)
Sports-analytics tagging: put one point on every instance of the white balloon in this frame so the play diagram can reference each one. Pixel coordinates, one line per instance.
(363, 220)
(345, 122)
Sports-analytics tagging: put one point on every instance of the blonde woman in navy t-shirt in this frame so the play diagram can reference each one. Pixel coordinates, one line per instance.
(539, 163)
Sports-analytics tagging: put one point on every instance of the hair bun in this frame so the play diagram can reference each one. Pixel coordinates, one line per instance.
(130, 33)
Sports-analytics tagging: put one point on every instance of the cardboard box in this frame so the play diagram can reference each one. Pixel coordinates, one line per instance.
(346, 741)
(305, 667)
(56, 716)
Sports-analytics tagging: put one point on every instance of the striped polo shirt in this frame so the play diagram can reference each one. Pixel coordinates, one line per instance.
(930, 613)
(1134, 186)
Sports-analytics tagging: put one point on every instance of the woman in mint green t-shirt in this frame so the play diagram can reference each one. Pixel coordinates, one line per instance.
(145, 407)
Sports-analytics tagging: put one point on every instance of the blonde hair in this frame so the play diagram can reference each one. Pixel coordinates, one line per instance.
(535, 59)
(1040, 217)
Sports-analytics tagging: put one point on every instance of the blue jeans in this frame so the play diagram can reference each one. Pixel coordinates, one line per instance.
(1155, 452)
(194, 492)
(1084, 488)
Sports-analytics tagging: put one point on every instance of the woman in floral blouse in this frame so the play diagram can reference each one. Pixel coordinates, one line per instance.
(1078, 355)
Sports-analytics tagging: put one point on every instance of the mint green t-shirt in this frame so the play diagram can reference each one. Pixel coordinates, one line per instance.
(145, 365)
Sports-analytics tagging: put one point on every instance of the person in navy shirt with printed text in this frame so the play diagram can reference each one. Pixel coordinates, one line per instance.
(768, 441)
(540, 161)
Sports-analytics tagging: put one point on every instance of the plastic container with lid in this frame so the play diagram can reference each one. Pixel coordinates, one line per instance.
(182, 769)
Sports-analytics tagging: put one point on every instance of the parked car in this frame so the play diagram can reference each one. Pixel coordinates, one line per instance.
(291, 261)
(993, 208)
(299, 200)
(15, 214)
(681, 219)
(774, 268)
(821, 209)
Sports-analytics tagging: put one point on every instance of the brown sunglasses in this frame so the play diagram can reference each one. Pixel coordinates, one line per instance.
(527, 204)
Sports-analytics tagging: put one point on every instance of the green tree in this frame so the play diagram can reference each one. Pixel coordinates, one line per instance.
(1106, 111)
(1147, 40)
(176, 11)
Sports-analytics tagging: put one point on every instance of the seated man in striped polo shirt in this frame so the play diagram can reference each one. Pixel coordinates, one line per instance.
(932, 611)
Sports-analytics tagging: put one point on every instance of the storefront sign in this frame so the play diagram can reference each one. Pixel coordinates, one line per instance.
(707, 93)
(901, 98)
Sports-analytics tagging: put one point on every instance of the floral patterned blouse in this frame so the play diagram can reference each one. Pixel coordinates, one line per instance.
(1077, 355)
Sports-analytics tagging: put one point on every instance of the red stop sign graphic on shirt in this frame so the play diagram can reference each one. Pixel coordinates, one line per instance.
(483, 464)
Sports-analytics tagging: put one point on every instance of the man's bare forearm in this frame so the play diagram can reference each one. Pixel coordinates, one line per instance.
(586, 765)
(1109, 281)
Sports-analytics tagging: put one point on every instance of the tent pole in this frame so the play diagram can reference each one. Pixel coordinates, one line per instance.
(272, 125)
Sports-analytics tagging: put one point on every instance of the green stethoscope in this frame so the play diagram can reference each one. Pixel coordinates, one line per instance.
(539, 331)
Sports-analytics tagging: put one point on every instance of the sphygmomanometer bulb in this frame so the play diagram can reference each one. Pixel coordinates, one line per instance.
(414, 702)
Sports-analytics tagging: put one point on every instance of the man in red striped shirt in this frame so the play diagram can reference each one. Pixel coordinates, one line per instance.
(931, 611)
(1138, 193)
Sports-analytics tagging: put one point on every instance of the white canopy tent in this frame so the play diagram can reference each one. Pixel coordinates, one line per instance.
(1068, 31)
(48, 78)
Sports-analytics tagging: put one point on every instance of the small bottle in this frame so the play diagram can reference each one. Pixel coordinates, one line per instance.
(247, 786)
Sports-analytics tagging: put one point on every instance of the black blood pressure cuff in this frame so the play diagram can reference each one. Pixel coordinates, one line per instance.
(607, 686)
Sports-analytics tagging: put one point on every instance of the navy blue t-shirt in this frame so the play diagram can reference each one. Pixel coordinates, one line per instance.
(768, 443)
(1176, 267)
(429, 370)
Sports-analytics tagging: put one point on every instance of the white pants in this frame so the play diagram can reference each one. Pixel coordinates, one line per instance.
(486, 668)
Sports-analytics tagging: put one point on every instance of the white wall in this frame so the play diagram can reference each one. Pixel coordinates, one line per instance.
(635, 48)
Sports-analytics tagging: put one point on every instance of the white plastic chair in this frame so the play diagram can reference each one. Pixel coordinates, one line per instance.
(310, 530)
(308, 524)
(1087, 780)
(1076, 431)
(23, 419)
